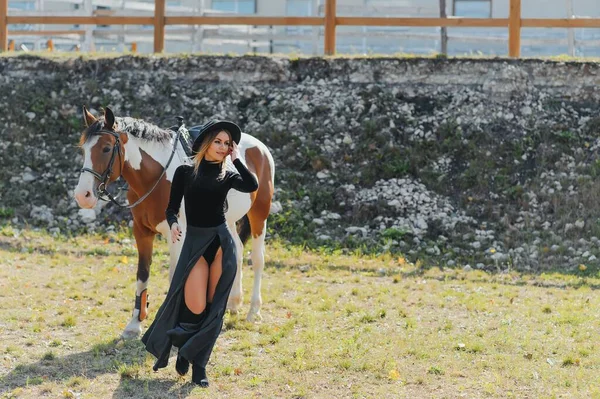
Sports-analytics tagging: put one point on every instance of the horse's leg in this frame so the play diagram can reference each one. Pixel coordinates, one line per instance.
(174, 247)
(257, 217)
(144, 239)
(258, 264)
(235, 297)
(175, 251)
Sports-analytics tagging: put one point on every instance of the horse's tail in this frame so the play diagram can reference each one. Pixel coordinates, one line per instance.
(243, 227)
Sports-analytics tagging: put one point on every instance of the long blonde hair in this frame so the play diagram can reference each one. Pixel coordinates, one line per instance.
(209, 137)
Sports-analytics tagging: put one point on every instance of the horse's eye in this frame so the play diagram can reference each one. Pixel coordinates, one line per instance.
(106, 149)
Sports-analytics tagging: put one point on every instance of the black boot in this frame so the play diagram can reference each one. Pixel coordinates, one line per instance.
(181, 365)
(199, 376)
(199, 362)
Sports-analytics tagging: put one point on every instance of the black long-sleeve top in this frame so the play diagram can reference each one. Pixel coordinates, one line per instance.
(205, 193)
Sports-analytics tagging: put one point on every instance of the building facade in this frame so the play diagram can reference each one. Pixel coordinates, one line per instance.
(308, 40)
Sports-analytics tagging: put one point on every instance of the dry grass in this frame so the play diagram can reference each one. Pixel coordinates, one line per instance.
(334, 326)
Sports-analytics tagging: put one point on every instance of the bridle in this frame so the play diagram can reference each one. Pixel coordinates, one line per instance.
(101, 191)
(103, 178)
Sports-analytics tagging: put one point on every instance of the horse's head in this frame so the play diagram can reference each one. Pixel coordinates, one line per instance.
(104, 155)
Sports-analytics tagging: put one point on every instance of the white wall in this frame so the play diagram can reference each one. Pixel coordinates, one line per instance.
(548, 8)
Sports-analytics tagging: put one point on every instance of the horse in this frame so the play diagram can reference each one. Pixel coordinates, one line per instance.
(146, 156)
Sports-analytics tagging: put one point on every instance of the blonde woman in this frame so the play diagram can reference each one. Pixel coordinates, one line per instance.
(191, 315)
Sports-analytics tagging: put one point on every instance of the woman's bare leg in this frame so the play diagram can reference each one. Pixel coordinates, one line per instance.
(214, 274)
(196, 286)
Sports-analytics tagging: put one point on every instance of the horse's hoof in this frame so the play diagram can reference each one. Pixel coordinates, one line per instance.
(234, 305)
(254, 316)
(131, 334)
(232, 311)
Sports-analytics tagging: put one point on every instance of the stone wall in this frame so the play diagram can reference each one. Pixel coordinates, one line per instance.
(492, 163)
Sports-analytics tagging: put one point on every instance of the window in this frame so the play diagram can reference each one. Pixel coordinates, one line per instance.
(472, 8)
(237, 6)
(21, 5)
(76, 7)
(24, 6)
(298, 8)
(103, 8)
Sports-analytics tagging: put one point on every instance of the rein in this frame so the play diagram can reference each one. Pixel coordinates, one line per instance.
(101, 191)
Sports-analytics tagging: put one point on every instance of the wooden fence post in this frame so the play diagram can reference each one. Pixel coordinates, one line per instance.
(11, 45)
(3, 25)
(330, 27)
(514, 29)
(159, 26)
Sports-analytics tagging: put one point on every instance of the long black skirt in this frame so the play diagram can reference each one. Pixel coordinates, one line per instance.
(195, 341)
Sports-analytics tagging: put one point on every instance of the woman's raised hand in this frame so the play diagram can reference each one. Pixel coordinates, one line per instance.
(234, 152)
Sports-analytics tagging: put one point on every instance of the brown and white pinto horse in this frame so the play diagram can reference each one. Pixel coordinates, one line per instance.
(139, 151)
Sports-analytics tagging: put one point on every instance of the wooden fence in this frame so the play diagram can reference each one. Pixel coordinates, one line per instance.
(330, 21)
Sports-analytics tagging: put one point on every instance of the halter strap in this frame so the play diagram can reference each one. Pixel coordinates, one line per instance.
(101, 190)
(105, 176)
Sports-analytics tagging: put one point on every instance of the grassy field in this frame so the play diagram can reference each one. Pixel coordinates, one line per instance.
(334, 326)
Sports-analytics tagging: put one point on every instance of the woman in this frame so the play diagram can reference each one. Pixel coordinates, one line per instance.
(191, 315)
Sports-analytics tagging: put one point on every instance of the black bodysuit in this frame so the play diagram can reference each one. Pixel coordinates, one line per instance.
(205, 195)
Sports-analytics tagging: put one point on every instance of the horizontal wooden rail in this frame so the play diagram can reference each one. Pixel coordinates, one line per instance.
(561, 23)
(434, 22)
(275, 21)
(45, 32)
(99, 20)
(231, 20)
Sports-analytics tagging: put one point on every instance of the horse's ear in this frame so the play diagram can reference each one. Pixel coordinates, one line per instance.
(109, 118)
(88, 118)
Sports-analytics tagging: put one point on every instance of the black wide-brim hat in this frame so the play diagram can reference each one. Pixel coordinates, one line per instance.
(236, 132)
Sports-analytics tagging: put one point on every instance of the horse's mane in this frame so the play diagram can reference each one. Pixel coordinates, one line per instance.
(135, 127)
